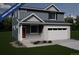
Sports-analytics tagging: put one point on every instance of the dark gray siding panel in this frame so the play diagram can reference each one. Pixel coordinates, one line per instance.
(15, 34)
(60, 17)
(22, 14)
(42, 15)
(14, 31)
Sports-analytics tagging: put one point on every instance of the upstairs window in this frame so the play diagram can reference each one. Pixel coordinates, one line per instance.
(52, 16)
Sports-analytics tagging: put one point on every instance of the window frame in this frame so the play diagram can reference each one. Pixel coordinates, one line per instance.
(49, 29)
(35, 32)
(51, 14)
(57, 29)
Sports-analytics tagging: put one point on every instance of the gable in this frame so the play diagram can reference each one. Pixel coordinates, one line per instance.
(32, 18)
(52, 8)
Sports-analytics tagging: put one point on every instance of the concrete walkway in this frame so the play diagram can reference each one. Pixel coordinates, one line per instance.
(74, 44)
(28, 44)
(71, 43)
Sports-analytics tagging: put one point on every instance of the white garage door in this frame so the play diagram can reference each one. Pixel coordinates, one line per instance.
(58, 33)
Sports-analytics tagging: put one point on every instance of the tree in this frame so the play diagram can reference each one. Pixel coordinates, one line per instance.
(69, 19)
(77, 22)
(7, 23)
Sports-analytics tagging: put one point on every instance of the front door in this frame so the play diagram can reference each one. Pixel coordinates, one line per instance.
(24, 29)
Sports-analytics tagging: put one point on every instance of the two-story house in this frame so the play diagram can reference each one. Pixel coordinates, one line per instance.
(32, 24)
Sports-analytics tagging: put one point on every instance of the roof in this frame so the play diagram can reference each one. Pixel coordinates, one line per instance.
(40, 23)
(52, 21)
(35, 5)
(31, 9)
(42, 7)
(53, 6)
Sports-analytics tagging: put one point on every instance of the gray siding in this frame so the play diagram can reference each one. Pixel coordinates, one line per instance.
(15, 34)
(14, 23)
(42, 15)
(60, 17)
(22, 14)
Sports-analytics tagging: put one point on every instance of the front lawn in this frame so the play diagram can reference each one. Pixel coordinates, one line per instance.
(6, 48)
(75, 34)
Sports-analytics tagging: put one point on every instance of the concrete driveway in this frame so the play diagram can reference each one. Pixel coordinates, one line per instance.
(74, 44)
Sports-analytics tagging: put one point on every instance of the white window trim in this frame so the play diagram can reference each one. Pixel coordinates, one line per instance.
(37, 30)
(55, 17)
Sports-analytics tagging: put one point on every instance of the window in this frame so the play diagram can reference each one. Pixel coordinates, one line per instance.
(64, 28)
(34, 29)
(49, 28)
(54, 28)
(59, 28)
(52, 16)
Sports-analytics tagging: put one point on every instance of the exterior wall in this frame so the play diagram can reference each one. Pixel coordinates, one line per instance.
(45, 35)
(33, 37)
(14, 29)
(22, 14)
(52, 9)
(42, 15)
(14, 25)
(60, 17)
(33, 19)
(46, 32)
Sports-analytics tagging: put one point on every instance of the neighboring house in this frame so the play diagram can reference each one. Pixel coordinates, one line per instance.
(40, 24)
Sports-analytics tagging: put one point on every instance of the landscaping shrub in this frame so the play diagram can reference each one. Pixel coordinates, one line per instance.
(37, 42)
(44, 41)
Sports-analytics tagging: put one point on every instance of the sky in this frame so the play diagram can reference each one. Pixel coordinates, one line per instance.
(69, 8)
(72, 8)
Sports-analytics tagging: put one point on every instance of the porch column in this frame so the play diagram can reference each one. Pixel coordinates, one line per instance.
(20, 33)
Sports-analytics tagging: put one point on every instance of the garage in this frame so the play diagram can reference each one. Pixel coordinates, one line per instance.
(59, 33)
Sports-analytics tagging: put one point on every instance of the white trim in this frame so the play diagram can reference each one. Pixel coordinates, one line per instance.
(20, 33)
(50, 6)
(48, 23)
(17, 20)
(30, 16)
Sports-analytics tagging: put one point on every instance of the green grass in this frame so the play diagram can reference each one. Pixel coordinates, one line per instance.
(75, 34)
(6, 48)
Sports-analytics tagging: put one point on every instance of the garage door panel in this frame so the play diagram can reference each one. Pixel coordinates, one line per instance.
(58, 34)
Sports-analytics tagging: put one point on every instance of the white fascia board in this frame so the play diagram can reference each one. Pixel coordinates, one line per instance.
(47, 23)
(52, 5)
